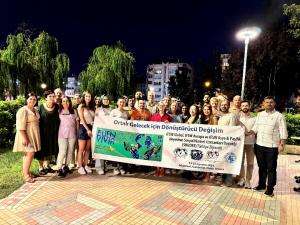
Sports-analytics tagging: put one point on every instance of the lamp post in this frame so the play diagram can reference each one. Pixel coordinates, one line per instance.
(246, 34)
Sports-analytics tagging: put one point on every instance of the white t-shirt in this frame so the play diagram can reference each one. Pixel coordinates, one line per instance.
(119, 114)
(248, 121)
(270, 127)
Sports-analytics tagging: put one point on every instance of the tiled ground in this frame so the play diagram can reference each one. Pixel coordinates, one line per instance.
(95, 199)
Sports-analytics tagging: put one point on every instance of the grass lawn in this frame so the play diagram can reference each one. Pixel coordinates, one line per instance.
(11, 171)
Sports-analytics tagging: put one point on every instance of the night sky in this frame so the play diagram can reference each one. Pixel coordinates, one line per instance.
(186, 29)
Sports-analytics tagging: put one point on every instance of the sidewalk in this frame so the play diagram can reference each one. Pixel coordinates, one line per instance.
(95, 199)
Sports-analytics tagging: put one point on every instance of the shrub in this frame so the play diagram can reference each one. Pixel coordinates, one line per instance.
(8, 110)
(293, 126)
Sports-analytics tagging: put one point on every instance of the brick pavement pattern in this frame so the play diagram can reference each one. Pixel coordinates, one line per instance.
(141, 200)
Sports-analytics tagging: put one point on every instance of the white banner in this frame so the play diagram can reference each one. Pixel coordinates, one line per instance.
(207, 148)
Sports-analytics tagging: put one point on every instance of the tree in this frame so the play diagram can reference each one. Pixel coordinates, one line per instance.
(293, 12)
(180, 86)
(110, 71)
(272, 66)
(31, 62)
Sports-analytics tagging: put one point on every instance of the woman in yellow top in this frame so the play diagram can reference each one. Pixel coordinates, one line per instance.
(27, 138)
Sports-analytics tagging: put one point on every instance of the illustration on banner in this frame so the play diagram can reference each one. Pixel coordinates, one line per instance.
(129, 144)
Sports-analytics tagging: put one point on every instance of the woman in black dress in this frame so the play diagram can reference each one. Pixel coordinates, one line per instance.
(49, 125)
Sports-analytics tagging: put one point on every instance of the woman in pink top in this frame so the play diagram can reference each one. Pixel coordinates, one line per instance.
(66, 136)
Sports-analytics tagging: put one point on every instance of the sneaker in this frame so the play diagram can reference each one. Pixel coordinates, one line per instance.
(71, 166)
(241, 183)
(100, 171)
(168, 171)
(61, 173)
(42, 172)
(81, 171)
(66, 169)
(269, 193)
(122, 171)
(116, 171)
(259, 188)
(50, 170)
(247, 185)
(88, 169)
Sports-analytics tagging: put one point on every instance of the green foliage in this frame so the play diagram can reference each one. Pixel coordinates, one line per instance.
(293, 12)
(180, 86)
(8, 110)
(11, 171)
(293, 125)
(109, 71)
(32, 62)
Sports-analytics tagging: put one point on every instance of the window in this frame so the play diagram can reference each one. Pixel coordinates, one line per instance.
(158, 71)
(157, 96)
(157, 83)
(149, 82)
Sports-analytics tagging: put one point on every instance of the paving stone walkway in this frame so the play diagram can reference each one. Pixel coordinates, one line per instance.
(95, 199)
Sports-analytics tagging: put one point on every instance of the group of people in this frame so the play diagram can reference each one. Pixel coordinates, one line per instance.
(60, 129)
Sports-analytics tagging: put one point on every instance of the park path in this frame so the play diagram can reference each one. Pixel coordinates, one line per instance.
(141, 200)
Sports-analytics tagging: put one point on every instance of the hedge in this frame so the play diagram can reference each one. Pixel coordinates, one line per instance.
(8, 110)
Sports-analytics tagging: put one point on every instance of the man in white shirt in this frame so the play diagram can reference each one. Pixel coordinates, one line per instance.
(151, 105)
(247, 121)
(227, 119)
(120, 112)
(236, 105)
(270, 128)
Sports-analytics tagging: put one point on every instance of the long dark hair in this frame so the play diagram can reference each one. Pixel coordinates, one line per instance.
(71, 110)
(91, 104)
(203, 117)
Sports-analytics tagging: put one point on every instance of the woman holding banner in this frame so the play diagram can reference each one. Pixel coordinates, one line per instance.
(104, 110)
(161, 116)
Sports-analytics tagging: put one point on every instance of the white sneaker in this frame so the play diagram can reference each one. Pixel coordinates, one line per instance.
(88, 169)
(100, 171)
(168, 171)
(241, 183)
(81, 171)
(122, 171)
(71, 166)
(116, 171)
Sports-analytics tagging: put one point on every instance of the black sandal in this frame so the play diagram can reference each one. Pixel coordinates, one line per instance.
(43, 172)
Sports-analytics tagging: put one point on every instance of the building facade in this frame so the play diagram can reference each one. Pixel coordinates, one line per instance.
(158, 77)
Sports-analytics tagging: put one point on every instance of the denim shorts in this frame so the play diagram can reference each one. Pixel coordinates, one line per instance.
(82, 133)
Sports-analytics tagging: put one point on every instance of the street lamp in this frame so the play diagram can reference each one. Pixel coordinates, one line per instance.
(246, 34)
(43, 86)
(207, 84)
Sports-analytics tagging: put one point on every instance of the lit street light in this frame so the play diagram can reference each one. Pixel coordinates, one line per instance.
(207, 84)
(43, 86)
(246, 34)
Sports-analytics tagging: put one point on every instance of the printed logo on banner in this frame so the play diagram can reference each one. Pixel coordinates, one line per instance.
(196, 154)
(180, 152)
(230, 157)
(212, 154)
